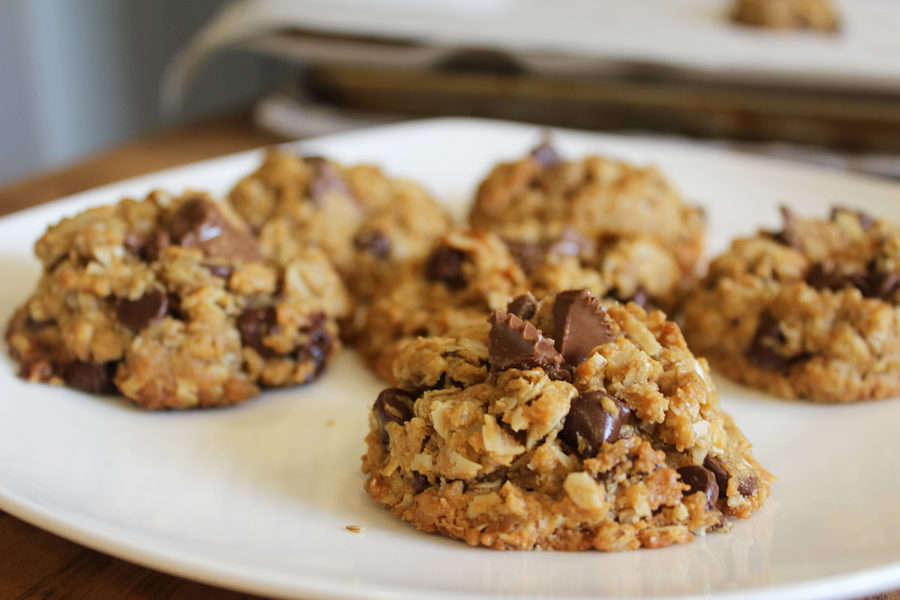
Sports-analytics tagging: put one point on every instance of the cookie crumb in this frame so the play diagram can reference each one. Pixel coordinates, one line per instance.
(359, 529)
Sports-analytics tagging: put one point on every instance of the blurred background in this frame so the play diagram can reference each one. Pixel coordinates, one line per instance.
(84, 76)
(79, 76)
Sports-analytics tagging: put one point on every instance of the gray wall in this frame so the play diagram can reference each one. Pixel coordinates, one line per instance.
(80, 75)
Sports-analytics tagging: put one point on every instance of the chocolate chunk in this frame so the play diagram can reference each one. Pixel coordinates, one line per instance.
(175, 310)
(876, 283)
(700, 480)
(199, 223)
(788, 234)
(523, 306)
(156, 242)
(763, 351)
(374, 242)
(570, 243)
(717, 467)
(318, 346)
(393, 405)
(865, 220)
(90, 377)
(588, 425)
(133, 242)
(254, 325)
(527, 255)
(37, 326)
(223, 271)
(420, 482)
(326, 179)
(517, 344)
(747, 487)
(138, 314)
(826, 276)
(580, 324)
(545, 155)
(445, 265)
(640, 298)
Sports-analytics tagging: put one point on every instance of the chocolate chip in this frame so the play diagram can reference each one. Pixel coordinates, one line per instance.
(788, 234)
(717, 467)
(175, 309)
(523, 306)
(640, 298)
(138, 314)
(517, 344)
(580, 324)
(90, 377)
(545, 155)
(700, 480)
(527, 255)
(865, 220)
(318, 346)
(826, 276)
(570, 243)
(763, 351)
(374, 242)
(393, 405)
(255, 324)
(199, 223)
(419, 481)
(223, 271)
(37, 326)
(747, 487)
(156, 242)
(133, 242)
(876, 283)
(326, 179)
(445, 265)
(588, 425)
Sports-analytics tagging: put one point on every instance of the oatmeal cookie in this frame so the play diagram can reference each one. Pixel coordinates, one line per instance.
(169, 302)
(366, 222)
(787, 14)
(626, 222)
(809, 312)
(607, 435)
(466, 274)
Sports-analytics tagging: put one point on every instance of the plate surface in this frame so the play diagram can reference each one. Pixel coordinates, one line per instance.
(257, 497)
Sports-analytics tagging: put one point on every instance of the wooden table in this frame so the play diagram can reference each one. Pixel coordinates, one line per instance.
(36, 564)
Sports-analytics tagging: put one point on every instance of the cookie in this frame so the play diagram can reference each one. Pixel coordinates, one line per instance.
(808, 312)
(366, 222)
(570, 425)
(170, 302)
(465, 274)
(819, 15)
(623, 221)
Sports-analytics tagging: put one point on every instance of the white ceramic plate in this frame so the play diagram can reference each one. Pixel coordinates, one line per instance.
(257, 497)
